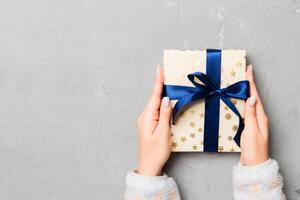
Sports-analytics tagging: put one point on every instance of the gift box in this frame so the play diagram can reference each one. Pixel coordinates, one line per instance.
(207, 91)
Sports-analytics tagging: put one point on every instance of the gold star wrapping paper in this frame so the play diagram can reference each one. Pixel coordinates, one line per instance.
(187, 133)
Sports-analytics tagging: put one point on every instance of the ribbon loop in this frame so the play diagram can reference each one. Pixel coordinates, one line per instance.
(205, 79)
(239, 90)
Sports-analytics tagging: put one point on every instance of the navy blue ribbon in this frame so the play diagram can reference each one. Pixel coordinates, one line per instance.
(211, 91)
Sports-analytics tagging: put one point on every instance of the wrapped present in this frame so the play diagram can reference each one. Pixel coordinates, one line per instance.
(207, 91)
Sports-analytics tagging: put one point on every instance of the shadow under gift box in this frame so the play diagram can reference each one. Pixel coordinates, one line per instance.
(188, 131)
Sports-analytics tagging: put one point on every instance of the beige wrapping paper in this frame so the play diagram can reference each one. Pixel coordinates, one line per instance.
(187, 133)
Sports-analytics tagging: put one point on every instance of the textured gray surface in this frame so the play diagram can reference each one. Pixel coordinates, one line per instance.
(74, 74)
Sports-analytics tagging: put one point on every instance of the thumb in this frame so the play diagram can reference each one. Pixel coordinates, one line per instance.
(250, 113)
(165, 114)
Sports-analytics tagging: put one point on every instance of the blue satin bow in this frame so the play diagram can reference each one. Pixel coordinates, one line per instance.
(211, 91)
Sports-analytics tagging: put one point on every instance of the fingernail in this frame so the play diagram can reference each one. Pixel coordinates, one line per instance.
(252, 100)
(166, 102)
(157, 69)
(249, 67)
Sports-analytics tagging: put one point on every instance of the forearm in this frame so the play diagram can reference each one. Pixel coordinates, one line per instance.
(260, 182)
(139, 187)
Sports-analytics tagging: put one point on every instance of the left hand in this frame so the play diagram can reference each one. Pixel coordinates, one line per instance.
(154, 131)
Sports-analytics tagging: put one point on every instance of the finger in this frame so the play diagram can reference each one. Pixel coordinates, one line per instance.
(165, 117)
(154, 101)
(261, 115)
(250, 114)
(253, 88)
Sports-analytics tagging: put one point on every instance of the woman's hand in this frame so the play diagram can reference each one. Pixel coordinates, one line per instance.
(154, 131)
(255, 137)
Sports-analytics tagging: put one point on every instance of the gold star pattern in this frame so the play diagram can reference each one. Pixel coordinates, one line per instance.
(234, 101)
(183, 139)
(200, 129)
(192, 135)
(229, 138)
(234, 127)
(226, 108)
(174, 145)
(192, 111)
(239, 64)
(232, 73)
(194, 147)
(228, 116)
(232, 150)
(221, 148)
(201, 115)
(192, 124)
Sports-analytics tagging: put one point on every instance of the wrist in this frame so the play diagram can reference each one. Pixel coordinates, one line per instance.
(253, 162)
(257, 166)
(149, 171)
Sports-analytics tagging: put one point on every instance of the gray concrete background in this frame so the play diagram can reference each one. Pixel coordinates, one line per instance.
(74, 74)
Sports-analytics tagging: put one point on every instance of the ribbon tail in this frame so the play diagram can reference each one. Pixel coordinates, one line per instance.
(177, 91)
(237, 137)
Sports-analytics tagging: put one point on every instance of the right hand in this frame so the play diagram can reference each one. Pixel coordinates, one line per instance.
(255, 137)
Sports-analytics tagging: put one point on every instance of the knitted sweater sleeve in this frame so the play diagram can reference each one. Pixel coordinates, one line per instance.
(260, 182)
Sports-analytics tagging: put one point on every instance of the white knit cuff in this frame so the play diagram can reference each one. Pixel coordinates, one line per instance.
(149, 186)
(257, 182)
(265, 172)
